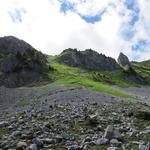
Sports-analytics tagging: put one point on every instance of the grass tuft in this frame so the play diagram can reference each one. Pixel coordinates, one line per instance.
(22, 102)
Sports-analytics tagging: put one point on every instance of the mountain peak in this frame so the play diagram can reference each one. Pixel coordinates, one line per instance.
(20, 63)
(11, 44)
(88, 59)
(124, 62)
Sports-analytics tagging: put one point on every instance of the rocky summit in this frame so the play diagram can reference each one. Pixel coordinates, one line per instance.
(20, 63)
(124, 62)
(87, 59)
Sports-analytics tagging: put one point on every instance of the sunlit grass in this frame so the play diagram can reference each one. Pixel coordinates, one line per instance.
(71, 76)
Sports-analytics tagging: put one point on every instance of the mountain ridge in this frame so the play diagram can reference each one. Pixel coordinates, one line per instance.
(20, 63)
(78, 108)
(93, 61)
(87, 59)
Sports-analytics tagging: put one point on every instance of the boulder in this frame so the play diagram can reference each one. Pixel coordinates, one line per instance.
(102, 141)
(112, 133)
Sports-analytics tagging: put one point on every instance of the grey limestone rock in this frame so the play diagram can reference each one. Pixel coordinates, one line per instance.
(87, 59)
(124, 62)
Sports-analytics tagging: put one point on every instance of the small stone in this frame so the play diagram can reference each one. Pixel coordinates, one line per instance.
(3, 124)
(45, 129)
(147, 128)
(113, 148)
(21, 146)
(74, 147)
(133, 132)
(16, 133)
(126, 146)
(102, 141)
(92, 143)
(3, 144)
(87, 139)
(146, 132)
(92, 120)
(39, 143)
(27, 135)
(86, 147)
(67, 136)
(48, 141)
(33, 147)
(144, 147)
(115, 141)
(59, 138)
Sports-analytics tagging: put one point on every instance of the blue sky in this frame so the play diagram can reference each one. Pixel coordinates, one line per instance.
(17, 14)
(109, 26)
(68, 6)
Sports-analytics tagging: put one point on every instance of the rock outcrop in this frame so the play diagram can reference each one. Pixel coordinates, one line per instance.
(130, 73)
(124, 62)
(20, 63)
(87, 59)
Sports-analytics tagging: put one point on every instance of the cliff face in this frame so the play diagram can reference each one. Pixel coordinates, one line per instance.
(20, 63)
(87, 59)
(124, 62)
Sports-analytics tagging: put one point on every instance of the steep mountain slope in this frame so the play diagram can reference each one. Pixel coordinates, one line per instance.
(87, 59)
(142, 68)
(20, 63)
(104, 69)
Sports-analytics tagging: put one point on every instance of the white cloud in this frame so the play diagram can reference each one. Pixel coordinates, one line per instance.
(47, 29)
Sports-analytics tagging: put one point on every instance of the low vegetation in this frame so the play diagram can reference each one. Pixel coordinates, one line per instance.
(22, 102)
(114, 78)
(142, 68)
(4, 131)
(71, 76)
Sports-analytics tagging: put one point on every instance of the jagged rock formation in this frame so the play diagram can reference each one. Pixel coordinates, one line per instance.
(130, 73)
(124, 62)
(87, 59)
(20, 63)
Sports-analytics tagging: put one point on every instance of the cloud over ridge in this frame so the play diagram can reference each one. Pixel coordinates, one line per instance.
(108, 26)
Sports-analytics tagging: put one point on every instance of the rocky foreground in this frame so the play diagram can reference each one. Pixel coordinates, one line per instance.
(60, 118)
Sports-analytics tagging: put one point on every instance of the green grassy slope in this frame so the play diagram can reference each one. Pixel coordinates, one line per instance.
(142, 68)
(71, 76)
